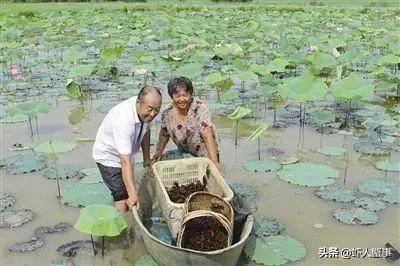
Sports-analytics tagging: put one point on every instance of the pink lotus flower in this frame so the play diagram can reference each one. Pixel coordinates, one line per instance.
(312, 48)
(191, 46)
(15, 71)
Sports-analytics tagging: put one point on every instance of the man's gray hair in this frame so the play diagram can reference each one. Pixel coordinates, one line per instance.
(148, 89)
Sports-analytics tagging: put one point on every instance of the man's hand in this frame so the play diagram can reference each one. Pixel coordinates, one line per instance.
(132, 201)
(147, 163)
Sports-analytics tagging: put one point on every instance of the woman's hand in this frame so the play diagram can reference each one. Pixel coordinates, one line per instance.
(156, 157)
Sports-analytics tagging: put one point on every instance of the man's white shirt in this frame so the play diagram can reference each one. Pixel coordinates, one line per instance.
(119, 134)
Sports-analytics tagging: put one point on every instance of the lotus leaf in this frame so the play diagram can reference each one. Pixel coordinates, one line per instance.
(355, 216)
(289, 160)
(274, 250)
(63, 171)
(11, 219)
(369, 204)
(17, 118)
(219, 81)
(146, 260)
(92, 176)
(239, 113)
(322, 117)
(389, 59)
(190, 70)
(228, 95)
(6, 200)
(257, 133)
(388, 166)
(171, 58)
(372, 146)
(387, 189)
(55, 146)
(335, 193)
(19, 164)
(22, 146)
(259, 69)
(74, 90)
(304, 88)
(81, 71)
(267, 227)
(396, 108)
(277, 65)
(319, 61)
(111, 54)
(352, 88)
(29, 109)
(80, 194)
(308, 174)
(332, 150)
(100, 220)
(245, 76)
(223, 51)
(263, 166)
(30, 245)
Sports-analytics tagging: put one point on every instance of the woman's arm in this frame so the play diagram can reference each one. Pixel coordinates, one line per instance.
(163, 139)
(211, 146)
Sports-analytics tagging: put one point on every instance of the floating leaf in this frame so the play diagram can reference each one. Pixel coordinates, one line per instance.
(55, 146)
(92, 176)
(304, 88)
(335, 193)
(81, 71)
(80, 194)
(355, 216)
(111, 54)
(308, 174)
(146, 260)
(29, 109)
(274, 250)
(22, 146)
(388, 190)
(369, 204)
(257, 133)
(388, 166)
(319, 61)
(219, 81)
(372, 146)
(190, 70)
(352, 88)
(223, 51)
(267, 227)
(27, 246)
(11, 219)
(332, 150)
(322, 117)
(277, 65)
(245, 76)
(262, 166)
(6, 201)
(19, 164)
(239, 113)
(17, 118)
(389, 59)
(63, 171)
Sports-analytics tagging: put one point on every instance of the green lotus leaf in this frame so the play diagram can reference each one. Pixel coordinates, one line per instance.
(371, 146)
(146, 260)
(277, 65)
(304, 88)
(55, 146)
(219, 81)
(74, 90)
(81, 71)
(19, 164)
(111, 54)
(190, 70)
(319, 61)
(267, 227)
(396, 108)
(29, 109)
(355, 216)
(385, 87)
(308, 174)
(389, 59)
(80, 194)
(274, 250)
(223, 51)
(352, 88)
(17, 118)
(335, 193)
(388, 190)
(169, 58)
(63, 171)
(257, 132)
(100, 220)
(6, 201)
(242, 76)
(92, 176)
(369, 204)
(322, 117)
(22, 146)
(239, 113)
(332, 150)
(372, 110)
(262, 166)
(72, 55)
(259, 69)
(388, 166)
(228, 95)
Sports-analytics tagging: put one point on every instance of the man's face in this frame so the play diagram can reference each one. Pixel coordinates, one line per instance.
(149, 107)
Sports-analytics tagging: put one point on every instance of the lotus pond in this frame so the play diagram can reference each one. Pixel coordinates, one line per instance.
(305, 101)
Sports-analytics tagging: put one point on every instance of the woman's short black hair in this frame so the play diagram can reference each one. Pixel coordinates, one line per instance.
(180, 83)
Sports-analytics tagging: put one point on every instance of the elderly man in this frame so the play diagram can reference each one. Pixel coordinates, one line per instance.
(124, 129)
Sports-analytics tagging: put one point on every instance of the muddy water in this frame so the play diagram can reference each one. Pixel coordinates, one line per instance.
(295, 207)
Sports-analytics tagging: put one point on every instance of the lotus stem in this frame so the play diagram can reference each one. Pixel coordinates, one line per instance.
(236, 133)
(259, 153)
(30, 127)
(58, 179)
(102, 248)
(94, 249)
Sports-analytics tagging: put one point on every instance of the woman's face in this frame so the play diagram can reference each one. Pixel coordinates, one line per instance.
(181, 98)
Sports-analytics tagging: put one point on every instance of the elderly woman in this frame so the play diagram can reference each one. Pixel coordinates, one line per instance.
(187, 121)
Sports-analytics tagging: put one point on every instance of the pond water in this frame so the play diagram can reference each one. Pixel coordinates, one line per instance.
(295, 207)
